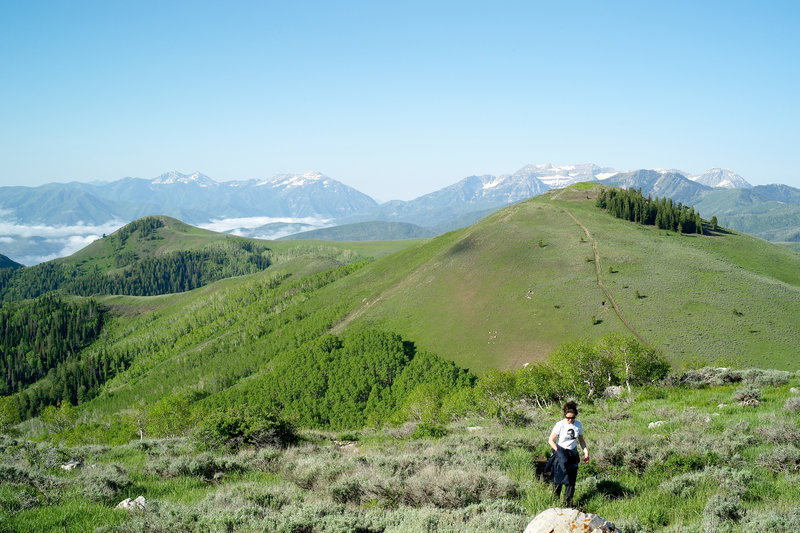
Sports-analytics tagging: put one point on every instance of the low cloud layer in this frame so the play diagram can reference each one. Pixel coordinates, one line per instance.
(12, 229)
(34, 244)
(227, 225)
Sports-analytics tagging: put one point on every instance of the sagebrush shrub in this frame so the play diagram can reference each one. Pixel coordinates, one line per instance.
(779, 432)
(722, 508)
(781, 458)
(748, 396)
(103, 483)
(204, 465)
(632, 454)
(683, 485)
(774, 521)
(765, 378)
(346, 490)
(792, 404)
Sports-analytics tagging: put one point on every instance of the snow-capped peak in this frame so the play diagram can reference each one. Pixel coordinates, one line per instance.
(174, 176)
(721, 178)
(288, 181)
(556, 176)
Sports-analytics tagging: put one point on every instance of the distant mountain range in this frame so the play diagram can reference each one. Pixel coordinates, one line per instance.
(54, 220)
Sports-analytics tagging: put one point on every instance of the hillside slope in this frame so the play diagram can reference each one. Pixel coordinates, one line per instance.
(501, 293)
(5, 262)
(510, 288)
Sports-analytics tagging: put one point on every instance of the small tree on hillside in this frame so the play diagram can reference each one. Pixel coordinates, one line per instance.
(583, 369)
(9, 415)
(539, 383)
(633, 362)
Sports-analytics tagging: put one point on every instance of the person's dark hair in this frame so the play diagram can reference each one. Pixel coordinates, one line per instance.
(570, 407)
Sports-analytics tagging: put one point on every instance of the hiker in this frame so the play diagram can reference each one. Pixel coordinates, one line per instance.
(563, 464)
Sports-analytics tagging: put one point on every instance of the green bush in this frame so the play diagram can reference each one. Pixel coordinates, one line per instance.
(234, 429)
(433, 431)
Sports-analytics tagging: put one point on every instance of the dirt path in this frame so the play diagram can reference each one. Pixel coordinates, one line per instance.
(600, 283)
(342, 325)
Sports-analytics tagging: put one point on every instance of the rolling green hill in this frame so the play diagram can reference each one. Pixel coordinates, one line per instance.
(501, 293)
(160, 255)
(364, 231)
(770, 212)
(512, 287)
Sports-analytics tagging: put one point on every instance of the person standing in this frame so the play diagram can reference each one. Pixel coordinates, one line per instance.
(564, 440)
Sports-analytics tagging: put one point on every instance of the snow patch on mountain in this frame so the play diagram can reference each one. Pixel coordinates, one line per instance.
(290, 181)
(720, 178)
(494, 182)
(173, 177)
(556, 177)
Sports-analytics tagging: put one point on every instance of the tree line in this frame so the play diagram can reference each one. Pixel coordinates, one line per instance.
(167, 273)
(39, 335)
(254, 322)
(177, 271)
(631, 205)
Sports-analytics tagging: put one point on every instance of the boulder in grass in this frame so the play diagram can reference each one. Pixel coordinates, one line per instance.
(139, 504)
(657, 423)
(72, 465)
(557, 520)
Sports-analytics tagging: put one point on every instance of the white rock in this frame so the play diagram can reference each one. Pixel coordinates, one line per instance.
(139, 504)
(72, 465)
(794, 390)
(656, 424)
(568, 521)
(614, 391)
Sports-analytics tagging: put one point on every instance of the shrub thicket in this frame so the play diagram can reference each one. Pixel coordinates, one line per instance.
(234, 429)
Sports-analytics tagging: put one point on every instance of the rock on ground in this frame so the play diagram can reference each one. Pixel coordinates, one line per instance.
(72, 465)
(569, 521)
(139, 504)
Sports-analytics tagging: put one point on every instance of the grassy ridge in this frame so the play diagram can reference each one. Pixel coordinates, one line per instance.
(510, 288)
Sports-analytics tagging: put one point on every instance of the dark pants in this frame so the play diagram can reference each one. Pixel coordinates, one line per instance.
(564, 466)
(569, 493)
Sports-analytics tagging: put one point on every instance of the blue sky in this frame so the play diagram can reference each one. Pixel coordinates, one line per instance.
(396, 99)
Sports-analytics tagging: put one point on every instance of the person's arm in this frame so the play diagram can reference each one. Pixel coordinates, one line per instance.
(585, 448)
(552, 441)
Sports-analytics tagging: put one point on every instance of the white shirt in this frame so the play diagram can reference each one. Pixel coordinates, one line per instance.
(568, 433)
